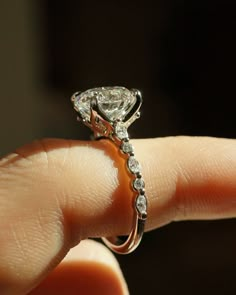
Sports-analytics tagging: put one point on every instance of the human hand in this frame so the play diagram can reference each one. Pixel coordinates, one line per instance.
(56, 193)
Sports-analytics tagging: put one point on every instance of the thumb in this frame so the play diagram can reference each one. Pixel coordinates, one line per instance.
(54, 193)
(89, 268)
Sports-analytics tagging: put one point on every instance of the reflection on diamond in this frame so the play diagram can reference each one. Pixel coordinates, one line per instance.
(133, 165)
(127, 147)
(141, 204)
(138, 184)
(121, 131)
(113, 102)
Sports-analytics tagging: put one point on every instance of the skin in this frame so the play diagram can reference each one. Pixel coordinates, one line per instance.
(55, 194)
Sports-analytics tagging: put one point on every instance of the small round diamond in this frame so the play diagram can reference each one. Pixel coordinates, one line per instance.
(127, 147)
(141, 204)
(133, 165)
(139, 184)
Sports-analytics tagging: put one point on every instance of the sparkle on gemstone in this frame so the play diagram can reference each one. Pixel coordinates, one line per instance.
(121, 131)
(133, 165)
(113, 102)
(127, 147)
(141, 204)
(139, 183)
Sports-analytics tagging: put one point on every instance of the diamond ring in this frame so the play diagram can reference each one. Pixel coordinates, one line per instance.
(109, 111)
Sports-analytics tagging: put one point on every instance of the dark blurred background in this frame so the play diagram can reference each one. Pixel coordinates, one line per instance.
(180, 54)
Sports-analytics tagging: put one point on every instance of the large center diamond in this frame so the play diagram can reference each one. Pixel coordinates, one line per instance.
(114, 103)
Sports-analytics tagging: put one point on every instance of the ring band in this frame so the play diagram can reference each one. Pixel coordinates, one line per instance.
(109, 111)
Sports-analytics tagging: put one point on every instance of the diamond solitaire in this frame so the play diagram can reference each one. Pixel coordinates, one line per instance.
(109, 111)
(114, 103)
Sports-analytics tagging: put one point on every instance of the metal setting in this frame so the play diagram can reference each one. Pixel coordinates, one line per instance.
(116, 130)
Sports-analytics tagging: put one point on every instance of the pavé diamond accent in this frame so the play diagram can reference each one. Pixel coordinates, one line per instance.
(121, 131)
(127, 147)
(113, 102)
(139, 184)
(141, 204)
(133, 165)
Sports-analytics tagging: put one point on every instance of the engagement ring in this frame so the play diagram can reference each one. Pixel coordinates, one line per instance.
(109, 111)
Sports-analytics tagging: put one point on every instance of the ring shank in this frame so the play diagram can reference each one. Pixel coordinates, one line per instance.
(132, 241)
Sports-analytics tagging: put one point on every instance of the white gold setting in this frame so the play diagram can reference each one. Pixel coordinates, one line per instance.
(109, 111)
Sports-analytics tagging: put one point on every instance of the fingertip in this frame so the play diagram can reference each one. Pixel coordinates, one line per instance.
(89, 268)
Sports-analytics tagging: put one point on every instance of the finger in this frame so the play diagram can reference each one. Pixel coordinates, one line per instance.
(89, 268)
(55, 193)
(189, 178)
